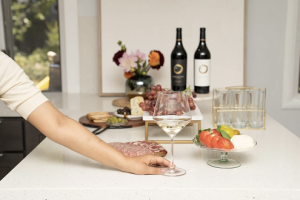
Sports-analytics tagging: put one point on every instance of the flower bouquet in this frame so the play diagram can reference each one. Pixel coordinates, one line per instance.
(135, 68)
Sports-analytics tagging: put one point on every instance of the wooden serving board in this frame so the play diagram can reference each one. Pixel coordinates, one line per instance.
(122, 102)
(85, 121)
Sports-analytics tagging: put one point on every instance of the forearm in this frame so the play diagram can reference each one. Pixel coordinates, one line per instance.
(74, 136)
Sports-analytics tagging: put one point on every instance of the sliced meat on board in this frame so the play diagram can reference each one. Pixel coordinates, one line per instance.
(139, 148)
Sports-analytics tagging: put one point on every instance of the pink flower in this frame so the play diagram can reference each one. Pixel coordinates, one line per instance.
(141, 56)
(128, 61)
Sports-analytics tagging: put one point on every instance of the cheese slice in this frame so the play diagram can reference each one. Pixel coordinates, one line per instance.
(135, 108)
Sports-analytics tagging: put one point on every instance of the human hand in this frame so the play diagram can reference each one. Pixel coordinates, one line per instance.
(142, 164)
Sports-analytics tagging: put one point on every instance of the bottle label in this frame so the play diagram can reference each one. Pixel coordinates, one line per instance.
(202, 72)
(178, 72)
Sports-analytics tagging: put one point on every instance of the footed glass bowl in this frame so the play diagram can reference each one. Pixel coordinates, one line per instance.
(224, 162)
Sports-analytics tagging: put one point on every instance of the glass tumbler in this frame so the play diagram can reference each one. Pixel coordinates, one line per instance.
(257, 107)
(222, 108)
(239, 103)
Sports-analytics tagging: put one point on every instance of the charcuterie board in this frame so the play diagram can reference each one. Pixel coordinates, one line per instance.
(85, 121)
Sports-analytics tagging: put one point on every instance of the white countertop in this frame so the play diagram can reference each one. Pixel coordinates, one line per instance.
(271, 170)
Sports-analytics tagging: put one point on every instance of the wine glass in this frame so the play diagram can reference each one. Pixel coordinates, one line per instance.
(172, 114)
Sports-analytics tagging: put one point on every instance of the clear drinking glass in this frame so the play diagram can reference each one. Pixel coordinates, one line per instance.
(239, 103)
(172, 113)
(257, 107)
(222, 108)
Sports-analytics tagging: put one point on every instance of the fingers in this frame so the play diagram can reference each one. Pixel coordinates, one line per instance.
(155, 171)
(155, 160)
(140, 165)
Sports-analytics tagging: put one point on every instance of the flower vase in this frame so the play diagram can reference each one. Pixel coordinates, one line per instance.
(138, 86)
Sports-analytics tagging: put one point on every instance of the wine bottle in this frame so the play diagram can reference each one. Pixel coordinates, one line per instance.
(202, 66)
(178, 64)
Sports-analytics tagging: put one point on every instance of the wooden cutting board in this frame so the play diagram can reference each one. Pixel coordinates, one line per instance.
(85, 121)
(121, 102)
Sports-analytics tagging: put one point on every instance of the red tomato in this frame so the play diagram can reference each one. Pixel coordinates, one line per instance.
(207, 140)
(214, 141)
(216, 133)
(202, 136)
(225, 143)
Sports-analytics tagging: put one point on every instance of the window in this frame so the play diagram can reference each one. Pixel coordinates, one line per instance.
(290, 92)
(32, 40)
(299, 80)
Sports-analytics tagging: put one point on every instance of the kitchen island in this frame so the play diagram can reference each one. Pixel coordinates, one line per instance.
(271, 170)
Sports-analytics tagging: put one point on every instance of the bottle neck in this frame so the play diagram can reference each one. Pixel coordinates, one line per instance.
(202, 38)
(178, 39)
(202, 35)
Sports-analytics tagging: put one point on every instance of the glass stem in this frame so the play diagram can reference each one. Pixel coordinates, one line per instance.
(172, 158)
(224, 156)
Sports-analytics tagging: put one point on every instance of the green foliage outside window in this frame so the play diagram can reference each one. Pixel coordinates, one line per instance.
(36, 32)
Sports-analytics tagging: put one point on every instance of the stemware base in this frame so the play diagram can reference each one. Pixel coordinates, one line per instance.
(174, 172)
(224, 162)
(229, 164)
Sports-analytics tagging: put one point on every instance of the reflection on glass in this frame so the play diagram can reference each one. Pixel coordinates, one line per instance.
(36, 41)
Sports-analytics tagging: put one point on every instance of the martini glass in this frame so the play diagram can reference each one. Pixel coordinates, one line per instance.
(172, 113)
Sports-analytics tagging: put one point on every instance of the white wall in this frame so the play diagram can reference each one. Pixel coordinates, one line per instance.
(68, 10)
(88, 46)
(265, 56)
(141, 27)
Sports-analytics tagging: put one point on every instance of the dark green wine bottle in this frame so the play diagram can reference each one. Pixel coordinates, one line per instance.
(178, 64)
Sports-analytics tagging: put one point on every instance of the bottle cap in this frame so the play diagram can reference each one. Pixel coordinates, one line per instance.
(202, 29)
(178, 29)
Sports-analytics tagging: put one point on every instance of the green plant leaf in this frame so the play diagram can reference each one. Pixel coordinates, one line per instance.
(197, 138)
(139, 67)
(208, 129)
(219, 128)
(225, 135)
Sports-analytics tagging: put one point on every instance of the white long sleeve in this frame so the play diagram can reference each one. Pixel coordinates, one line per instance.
(16, 89)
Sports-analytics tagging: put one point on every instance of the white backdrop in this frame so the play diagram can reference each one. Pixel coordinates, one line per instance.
(151, 25)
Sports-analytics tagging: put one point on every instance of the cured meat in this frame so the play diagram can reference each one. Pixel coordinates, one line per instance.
(139, 148)
(153, 146)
